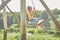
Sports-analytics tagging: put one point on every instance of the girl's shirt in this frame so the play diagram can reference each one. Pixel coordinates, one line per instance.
(30, 15)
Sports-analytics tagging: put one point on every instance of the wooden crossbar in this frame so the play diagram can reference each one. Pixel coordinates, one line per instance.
(4, 3)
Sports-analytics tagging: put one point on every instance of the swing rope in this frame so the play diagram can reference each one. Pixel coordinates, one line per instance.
(33, 8)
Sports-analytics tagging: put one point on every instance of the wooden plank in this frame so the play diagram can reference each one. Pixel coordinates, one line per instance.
(4, 3)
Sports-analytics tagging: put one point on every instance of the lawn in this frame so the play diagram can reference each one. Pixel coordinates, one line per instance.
(16, 36)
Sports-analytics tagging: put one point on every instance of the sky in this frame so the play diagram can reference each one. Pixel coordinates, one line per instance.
(14, 5)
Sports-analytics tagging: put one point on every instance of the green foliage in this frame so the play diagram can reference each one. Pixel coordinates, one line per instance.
(57, 34)
(1, 31)
(45, 15)
(14, 28)
(10, 19)
(56, 11)
(52, 25)
(9, 15)
(58, 20)
(17, 36)
(38, 13)
(13, 36)
(1, 20)
(41, 31)
(31, 30)
(41, 35)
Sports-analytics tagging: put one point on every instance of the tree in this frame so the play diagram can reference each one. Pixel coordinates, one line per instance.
(46, 19)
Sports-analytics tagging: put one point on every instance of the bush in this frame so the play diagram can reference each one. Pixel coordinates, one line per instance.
(51, 32)
(40, 31)
(31, 30)
(1, 31)
(58, 20)
(57, 34)
(14, 28)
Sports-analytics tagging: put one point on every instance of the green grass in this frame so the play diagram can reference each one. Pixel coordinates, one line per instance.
(34, 35)
(16, 36)
(10, 36)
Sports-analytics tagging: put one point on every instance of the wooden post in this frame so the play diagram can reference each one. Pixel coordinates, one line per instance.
(23, 19)
(51, 14)
(5, 22)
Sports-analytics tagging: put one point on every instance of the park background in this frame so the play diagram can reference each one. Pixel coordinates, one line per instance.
(50, 33)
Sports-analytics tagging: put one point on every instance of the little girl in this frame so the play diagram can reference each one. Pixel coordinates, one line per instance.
(31, 18)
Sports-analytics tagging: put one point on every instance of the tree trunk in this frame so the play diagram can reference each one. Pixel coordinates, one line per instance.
(23, 19)
(5, 22)
(51, 14)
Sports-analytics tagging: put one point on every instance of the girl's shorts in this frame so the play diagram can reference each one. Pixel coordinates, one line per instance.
(34, 20)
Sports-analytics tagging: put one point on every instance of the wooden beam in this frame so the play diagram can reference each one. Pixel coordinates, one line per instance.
(4, 3)
(23, 19)
(16, 18)
(51, 14)
(5, 22)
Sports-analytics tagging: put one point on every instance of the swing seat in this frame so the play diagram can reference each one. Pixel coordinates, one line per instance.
(33, 21)
(36, 21)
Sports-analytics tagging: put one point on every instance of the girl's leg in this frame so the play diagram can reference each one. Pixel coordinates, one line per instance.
(40, 22)
(41, 25)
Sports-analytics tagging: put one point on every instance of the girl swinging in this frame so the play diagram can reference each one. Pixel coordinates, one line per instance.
(34, 20)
